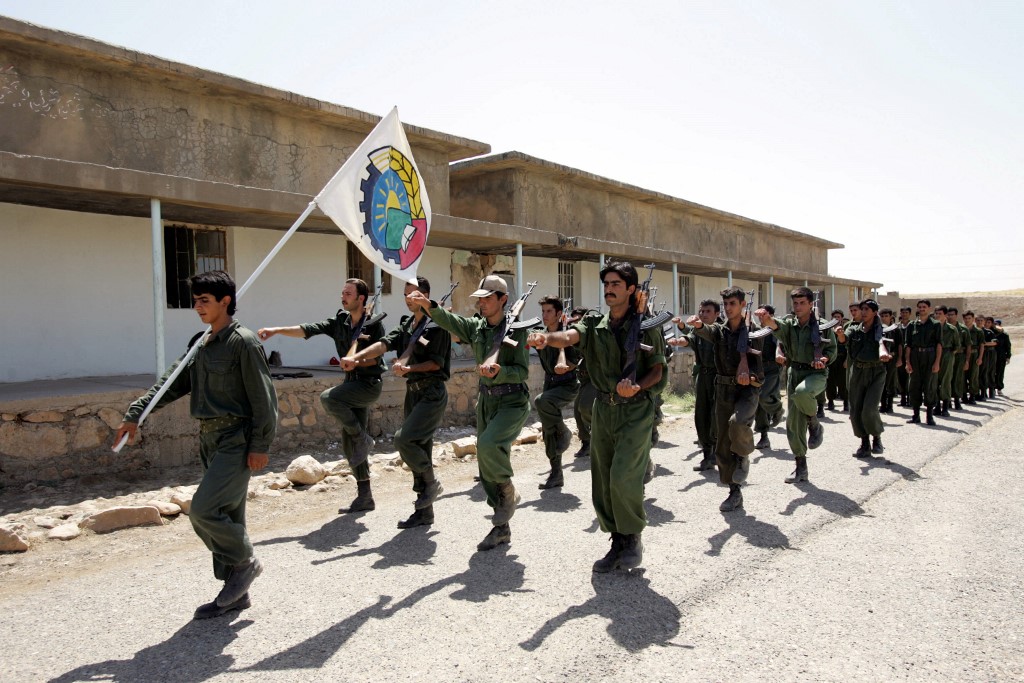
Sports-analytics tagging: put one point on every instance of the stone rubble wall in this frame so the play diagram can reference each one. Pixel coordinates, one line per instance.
(46, 440)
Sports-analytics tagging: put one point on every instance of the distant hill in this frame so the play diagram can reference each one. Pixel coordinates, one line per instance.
(1007, 305)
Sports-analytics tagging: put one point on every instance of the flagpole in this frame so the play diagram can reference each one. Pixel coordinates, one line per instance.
(238, 294)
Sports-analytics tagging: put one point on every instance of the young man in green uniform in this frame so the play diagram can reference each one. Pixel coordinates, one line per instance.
(704, 382)
(950, 348)
(988, 367)
(234, 400)
(958, 384)
(769, 407)
(901, 366)
(561, 388)
(623, 412)
(1004, 350)
(738, 386)
(503, 403)
(808, 353)
(426, 368)
(891, 365)
(867, 355)
(923, 358)
(835, 385)
(349, 403)
(583, 406)
(975, 358)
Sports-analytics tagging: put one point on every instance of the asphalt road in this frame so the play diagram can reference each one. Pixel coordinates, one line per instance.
(907, 569)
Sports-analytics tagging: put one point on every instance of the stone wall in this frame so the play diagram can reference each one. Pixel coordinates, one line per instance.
(56, 438)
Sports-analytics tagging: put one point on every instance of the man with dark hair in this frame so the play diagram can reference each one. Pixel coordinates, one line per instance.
(738, 384)
(923, 358)
(988, 367)
(950, 347)
(349, 402)
(867, 355)
(769, 406)
(835, 385)
(892, 365)
(1003, 350)
(426, 367)
(623, 411)
(903, 377)
(704, 381)
(583, 406)
(808, 354)
(560, 389)
(234, 400)
(957, 384)
(503, 403)
(975, 358)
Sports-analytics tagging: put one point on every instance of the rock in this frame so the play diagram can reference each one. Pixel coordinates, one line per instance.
(10, 417)
(338, 467)
(294, 405)
(289, 422)
(90, 435)
(164, 508)
(279, 484)
(464, 446)
(308, 418)
(122, 517)
(305, 470)
(12, 541)
(32, 441)
(81, 412)
(45, 522)
(182, 500)
(65, 532)
(528, 435)
(111, 417)
(44, 416)
(270, 493)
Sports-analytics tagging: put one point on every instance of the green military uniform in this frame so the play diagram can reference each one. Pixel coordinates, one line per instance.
(349, 402)
(838, 372)
(735, 404)
(891, 386)
(987, 375)
(503, 404)
(426, 395)
(805, 382)
(923, 340)
(559, 391)
(769, 407)
(948, 363)
(974, 371)
(903, 377)
(1003, 349)
(959, 374)
(704, 392)
(234, 400)
(621, 443)
(867, 379)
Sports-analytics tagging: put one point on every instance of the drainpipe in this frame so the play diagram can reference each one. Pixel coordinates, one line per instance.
(771, 290)
(519, 269)
(834, 295)
(159, 288)
(600, 288)
(730, 279)
(675, 289)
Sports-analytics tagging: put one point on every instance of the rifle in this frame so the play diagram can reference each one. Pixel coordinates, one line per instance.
(821, 328)
(503, 335)
(365, 321)
(638, 325)
(421, 327)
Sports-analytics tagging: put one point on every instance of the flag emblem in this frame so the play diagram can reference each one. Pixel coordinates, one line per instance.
(392, 209)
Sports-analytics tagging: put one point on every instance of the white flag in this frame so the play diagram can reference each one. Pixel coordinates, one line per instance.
(379, 201)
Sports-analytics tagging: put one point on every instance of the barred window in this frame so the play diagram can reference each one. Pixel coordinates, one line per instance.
(686, 302)
(567, 281)
(187, 252)
(362, 268)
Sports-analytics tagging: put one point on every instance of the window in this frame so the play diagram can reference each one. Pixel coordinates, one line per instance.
(187, 252)
(762, 294)
(686, 303)
(362, 268)
(567, 282)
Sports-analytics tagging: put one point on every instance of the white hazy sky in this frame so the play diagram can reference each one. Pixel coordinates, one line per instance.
(891, 127)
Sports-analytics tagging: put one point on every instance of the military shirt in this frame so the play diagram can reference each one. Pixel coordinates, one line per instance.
(339, 328)
(796, 338)
(950, 339)
(228, 376)
(769, 345)
(438, 348)
(479, 334)
(549, 356)
(727, 355)
(924, 334)
(603, 346)
(977, 339)
(965, 338)
(703, 351)
(861, 344)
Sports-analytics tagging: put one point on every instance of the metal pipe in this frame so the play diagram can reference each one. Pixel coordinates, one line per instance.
(675, 288)
(159, 288)
(519, 268)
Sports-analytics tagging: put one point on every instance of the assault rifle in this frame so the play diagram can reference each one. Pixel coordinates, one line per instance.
(422, 326)
(366, 320)
(639, 324)
(821, 328)
(503, 335)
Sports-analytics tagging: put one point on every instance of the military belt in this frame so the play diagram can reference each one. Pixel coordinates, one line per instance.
(613, 399)
(421, 384)
(216, 423)
(867, 363)
(923, 349)
(804, 366)
(553, 380)
(503, 389)
(731, 381)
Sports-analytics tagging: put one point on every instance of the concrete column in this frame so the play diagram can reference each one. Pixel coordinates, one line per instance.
(771, 289)
(834, 295)
(730, 279)
(519, 269)
(675, 289)
(159, 287)
(600, 288)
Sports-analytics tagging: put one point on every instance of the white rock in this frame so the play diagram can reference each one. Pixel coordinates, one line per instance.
(11, 541)
(305, 470)
(182, 500)
(122, 517)
(45, 522)
(528, 435)
(270, 493)
(164, 508)
(65, 532)
(278, 484)
(464, 446)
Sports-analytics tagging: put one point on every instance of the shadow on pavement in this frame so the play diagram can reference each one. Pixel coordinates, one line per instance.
(832, 501)
(637, 616)
(757, 533)
(883, 463)
(414, 546)
(344, 530)
(194, 653)
(706, 477)
(489, 573)
(554, 500)
(657, 516)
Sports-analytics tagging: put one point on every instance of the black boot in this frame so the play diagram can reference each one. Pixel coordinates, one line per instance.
(800, 473)
(651, 467)
(916, 419)
(992, 393)
(584, 451)
(734, 501)
(845, 408)
(763, 443)
(957, 405)
(945, 409)
(876, 445)
(821, 410)
(496, 536)
(508, 499)
(611, 560)
(555, 478)
(815, 433)
(882, 406)
(929, 416)
(707, 462)
(421, 517)
(431, 490)
(865, 448)
(632, 551)
(363, 500)
(831, 405)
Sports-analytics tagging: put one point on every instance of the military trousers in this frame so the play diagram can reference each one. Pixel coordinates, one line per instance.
(802, 390)
(218, 505)
(349, 403)
(924, 384)
(735, 407)
(947, 366)
(499, 420)
(971, 376)
(583, 410)
(891, 378)
(619, 451)
(987, 376)
(549, 405)
(959, 385)
(867, 382)
(769, 404)
(704, 410)
(1000, 373)
(835, 386)
(424, 410)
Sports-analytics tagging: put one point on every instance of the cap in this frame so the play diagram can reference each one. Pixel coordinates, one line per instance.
(492, 284)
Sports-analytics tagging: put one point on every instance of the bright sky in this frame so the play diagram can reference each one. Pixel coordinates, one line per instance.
(894, 128)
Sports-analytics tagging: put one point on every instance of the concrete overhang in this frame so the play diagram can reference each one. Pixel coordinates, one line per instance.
(38, 40)
(574, 176)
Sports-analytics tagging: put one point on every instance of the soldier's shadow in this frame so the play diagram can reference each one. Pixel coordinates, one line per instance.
(706, 477)
(832, 501)
(554, 500)
(491, 573)
(475, 493)
(415, 546)
(773, 453)
(656, 516)
(638, 617)
(340, 532)
(884, 463)
(194, 653)
(757, 533)
(956, 418)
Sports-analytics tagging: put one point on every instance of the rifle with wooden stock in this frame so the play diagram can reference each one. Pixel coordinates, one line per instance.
(640, 324)
(511, 323)
(422, 326)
